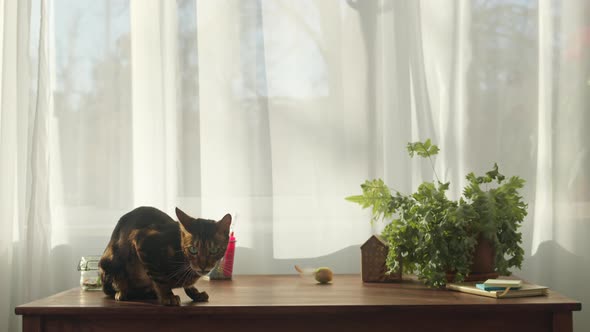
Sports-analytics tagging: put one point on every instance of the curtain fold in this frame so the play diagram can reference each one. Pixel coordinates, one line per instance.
(24, 150)
(154, 110)
(235, 169)
(544, 215)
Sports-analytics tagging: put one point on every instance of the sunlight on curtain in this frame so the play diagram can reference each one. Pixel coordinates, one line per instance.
(319, 133)
(92, 161)
(234, 168)
(153, 120)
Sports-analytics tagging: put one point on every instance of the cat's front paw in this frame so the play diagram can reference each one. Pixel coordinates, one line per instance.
(120, 296)
(197, 296)
(173, 300)
(201, 297)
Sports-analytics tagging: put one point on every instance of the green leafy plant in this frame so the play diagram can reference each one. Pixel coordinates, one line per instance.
(434, 235)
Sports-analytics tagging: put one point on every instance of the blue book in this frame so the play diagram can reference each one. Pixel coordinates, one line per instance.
(493, 288)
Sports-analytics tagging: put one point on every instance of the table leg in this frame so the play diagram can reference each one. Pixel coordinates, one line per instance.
(562, 321)
(32, 324)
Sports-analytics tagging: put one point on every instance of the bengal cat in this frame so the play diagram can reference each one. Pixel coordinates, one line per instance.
(149, 254)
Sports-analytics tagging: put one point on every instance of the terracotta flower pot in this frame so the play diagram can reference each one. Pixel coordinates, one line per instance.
(484, 256)
(483, 266)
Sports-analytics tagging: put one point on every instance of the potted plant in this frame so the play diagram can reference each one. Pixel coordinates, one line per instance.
(442, 240)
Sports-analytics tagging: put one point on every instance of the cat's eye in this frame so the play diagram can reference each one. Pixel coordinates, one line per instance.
(214, 250)
(193, 250)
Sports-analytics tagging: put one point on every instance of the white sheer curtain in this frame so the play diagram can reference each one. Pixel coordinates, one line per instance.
(25, 99)
(274, 111)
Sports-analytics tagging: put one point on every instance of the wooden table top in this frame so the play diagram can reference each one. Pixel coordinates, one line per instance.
(288, 294)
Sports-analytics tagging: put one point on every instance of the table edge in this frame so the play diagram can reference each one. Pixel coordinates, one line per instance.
(270, 310)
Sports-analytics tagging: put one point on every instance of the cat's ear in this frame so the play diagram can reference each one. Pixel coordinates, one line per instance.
(183, 218)
(223, 224)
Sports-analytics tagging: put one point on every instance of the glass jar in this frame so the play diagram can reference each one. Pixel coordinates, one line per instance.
(89, 274)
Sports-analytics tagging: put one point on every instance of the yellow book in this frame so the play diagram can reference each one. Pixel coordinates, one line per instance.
(512, 283)
(523, 291)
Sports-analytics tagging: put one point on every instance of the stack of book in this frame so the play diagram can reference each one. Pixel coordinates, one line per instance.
(499, 288)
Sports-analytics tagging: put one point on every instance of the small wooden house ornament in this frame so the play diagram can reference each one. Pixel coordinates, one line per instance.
(373, 256)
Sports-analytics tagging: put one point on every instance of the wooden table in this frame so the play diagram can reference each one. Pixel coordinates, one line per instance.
(290, 303)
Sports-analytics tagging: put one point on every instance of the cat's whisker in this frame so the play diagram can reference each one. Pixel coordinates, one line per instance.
(188, 275)
(176, 273)
(181, 276)
(182, 270)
